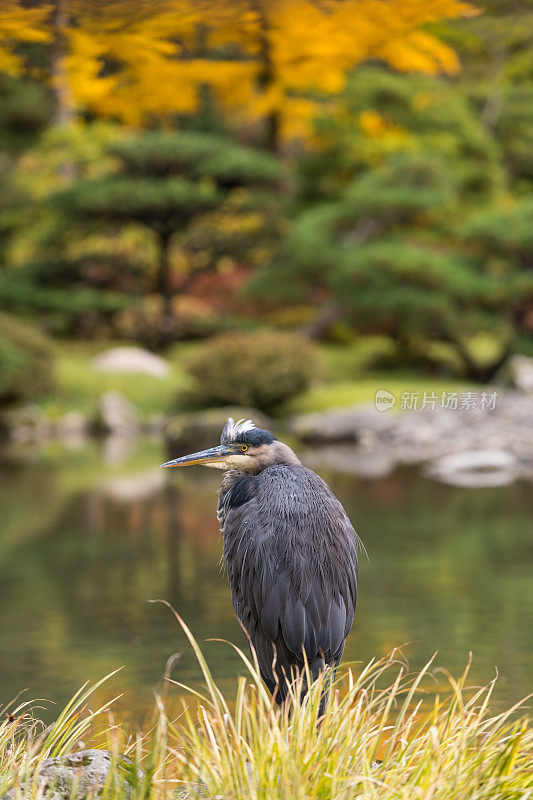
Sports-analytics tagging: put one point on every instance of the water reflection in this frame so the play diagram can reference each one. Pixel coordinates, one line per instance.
(87, 540)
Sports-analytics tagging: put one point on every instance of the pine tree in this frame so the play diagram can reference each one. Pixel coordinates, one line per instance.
(379, 230)
(167, 181)
(500, 241)
(24, 112)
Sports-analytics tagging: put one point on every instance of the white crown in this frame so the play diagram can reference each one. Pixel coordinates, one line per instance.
(232, 430)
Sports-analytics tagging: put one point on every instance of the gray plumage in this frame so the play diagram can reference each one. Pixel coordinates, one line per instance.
(292, 566)
(290, 554)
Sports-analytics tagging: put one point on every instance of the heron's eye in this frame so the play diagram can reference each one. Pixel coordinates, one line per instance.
(244, 448)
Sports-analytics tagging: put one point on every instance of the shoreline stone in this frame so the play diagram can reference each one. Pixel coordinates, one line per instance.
(82, 775)
(131, 360)
(427, 437)
(116, 415)
(517, 372)
(340, 425)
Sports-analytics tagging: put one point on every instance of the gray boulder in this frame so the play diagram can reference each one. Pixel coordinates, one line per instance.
(363, 441)
(340, 424)
(351, 459)
(24, 423)
(198, 430)
(517, 372)
(82, 775)
(131, 359)
(116, 414)
(426, 435)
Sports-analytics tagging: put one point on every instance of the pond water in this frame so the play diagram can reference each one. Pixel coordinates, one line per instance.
(89, 535)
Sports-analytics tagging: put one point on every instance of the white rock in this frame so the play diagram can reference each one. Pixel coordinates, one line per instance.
(520, 370)
(475, 468)
(116, 414)
(131, 359)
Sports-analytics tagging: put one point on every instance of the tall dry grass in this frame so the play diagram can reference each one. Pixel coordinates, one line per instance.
(385, 734)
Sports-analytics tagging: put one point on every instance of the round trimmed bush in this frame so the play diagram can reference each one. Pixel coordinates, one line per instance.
(255, 369)
(26, 361)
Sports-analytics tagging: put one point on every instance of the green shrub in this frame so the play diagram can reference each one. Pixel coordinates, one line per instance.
(255, 369)
(26, 361)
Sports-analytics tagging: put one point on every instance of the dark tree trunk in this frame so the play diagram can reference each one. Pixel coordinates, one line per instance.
(266, 76)
(318, 327)
(273, 132)
(173, 535)
(493, 107)
(63, 105)
(473, 370)
(163, 273)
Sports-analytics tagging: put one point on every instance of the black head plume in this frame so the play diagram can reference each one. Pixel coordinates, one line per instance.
(245, 432)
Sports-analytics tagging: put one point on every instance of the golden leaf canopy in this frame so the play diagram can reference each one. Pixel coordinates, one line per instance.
(19, 25)
(138, 59)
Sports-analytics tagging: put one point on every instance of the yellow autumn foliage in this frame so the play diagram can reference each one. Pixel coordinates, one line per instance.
(19, 24)
(136, 60)
(375, 125)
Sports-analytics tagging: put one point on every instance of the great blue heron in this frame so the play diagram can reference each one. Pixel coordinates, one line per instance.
(290, 553)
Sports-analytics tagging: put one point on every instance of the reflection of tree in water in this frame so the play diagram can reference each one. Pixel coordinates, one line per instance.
(85, 588)
(21, 485)
(175, 595)
(447, 571)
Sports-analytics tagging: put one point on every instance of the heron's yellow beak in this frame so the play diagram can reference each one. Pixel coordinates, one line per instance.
(215, 455)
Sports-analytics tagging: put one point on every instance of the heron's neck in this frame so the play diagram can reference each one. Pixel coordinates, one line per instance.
(228, 476)
(280, 453)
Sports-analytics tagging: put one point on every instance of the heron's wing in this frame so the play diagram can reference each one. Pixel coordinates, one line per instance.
(292, 566)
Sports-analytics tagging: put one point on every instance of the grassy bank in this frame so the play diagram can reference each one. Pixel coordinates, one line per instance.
(79, 385)
(348, 378)
(385, 734)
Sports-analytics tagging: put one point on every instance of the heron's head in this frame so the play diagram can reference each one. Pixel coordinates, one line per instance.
(243, 447)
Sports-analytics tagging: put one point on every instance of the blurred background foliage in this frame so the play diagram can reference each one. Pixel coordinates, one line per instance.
(259, 370)
(355, 172)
